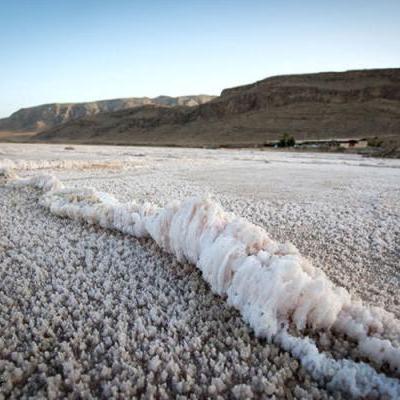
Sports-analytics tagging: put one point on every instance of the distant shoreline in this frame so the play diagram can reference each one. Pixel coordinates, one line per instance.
(26, 138)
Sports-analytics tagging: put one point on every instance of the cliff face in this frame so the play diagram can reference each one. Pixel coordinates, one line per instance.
(326, 105)
(48, 116)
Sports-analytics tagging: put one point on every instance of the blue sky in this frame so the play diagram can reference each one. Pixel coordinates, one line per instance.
(67, 51)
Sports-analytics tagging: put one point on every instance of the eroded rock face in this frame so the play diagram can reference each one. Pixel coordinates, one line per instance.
(47, 116)
(313, 106)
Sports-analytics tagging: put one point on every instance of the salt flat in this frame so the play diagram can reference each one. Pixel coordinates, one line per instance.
(93, 312)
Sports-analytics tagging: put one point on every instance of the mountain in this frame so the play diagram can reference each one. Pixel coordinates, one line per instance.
(351, 104)
(47, 116)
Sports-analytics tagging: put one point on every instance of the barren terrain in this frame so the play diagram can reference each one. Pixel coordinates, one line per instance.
(350, 104)
(90, 312)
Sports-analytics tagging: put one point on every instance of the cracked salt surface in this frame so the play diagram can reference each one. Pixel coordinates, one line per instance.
(160, 187)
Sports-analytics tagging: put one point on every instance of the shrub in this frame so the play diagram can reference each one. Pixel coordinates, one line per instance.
(375, 142)
(287, 141)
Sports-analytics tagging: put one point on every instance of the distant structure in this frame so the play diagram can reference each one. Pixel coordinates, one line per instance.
(353, 143)
(341, 143)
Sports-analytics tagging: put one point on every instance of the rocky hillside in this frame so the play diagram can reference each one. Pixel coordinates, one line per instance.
(312, 106)
(47, 116)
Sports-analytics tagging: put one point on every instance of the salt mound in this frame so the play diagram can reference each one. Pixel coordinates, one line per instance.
(7, 175)
(41, 182)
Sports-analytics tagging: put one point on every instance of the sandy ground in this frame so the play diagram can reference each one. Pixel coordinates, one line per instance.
(15, 136)
(92, 313)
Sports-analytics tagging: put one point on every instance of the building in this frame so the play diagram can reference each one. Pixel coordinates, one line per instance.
(353, 143)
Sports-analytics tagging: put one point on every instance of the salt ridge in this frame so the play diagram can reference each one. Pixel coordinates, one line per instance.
(272, 285)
